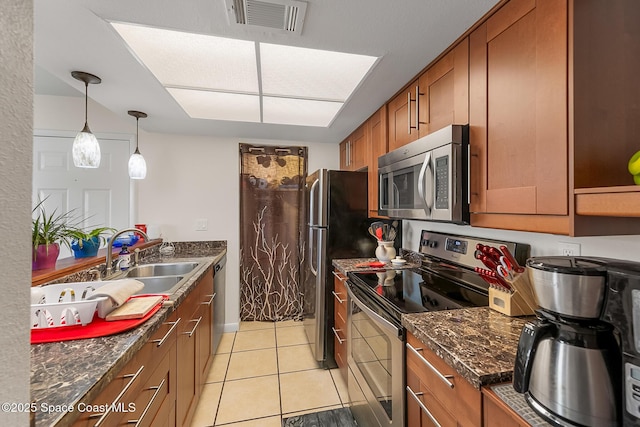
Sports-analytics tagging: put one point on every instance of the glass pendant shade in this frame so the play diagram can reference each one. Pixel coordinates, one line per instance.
(86, 150)
(137, 166)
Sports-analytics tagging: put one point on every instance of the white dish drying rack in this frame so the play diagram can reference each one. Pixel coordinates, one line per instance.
(67, 304)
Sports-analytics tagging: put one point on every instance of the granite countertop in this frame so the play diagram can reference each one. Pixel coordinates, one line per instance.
(350, 264)
(65, 374)
(479, 343)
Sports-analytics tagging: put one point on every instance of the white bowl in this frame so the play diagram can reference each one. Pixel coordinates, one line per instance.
(398, 262)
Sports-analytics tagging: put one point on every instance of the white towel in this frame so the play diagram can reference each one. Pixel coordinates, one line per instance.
(118, 290)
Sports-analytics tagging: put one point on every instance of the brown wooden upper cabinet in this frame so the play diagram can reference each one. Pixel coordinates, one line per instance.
(437, 98)
(377, 130)
(550, 111)
(354, 150)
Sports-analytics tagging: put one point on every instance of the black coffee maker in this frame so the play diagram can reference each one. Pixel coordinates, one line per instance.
(576, 363)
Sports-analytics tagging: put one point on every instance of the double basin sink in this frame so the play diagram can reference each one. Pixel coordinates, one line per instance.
(162, 278)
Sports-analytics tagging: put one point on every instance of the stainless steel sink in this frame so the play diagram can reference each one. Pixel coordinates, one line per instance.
(161, 269)
(160, 284)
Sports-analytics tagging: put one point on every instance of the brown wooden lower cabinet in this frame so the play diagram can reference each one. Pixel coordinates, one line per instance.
(340, 323)
(496, 413)
(436, 394)
(162, 383)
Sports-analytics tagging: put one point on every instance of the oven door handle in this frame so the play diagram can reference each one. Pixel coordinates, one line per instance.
(388, 326)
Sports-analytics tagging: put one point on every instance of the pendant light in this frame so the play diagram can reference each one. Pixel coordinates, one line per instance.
(137, 165)
(86, 150)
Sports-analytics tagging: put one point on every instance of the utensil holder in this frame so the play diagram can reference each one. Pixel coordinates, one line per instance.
(509, 303)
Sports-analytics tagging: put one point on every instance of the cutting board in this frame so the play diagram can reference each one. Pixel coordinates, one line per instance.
(134, 308)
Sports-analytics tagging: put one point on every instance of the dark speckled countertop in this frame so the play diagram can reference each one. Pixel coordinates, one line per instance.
(65, 374)
(479, 343)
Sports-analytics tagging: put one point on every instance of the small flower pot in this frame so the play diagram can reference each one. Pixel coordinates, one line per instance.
(45, 256)
(89, 248)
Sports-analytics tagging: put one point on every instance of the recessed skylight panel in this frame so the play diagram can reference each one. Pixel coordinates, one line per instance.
(311, 73)
(301, 112)
(180, 59)
(201, 104)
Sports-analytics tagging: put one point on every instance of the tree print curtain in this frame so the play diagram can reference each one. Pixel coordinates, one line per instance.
(271, 229)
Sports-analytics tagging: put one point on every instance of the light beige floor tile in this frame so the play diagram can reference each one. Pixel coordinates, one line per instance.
(294, 335)
(288, 323)
(296, 358)
(253, 326)
(304, 390)
(260, 422)
(341, 385)
(207, 406)
(255, 340)
(310, 411)
(226, 343)
(247, 399)
(253, 363)
(218, 368)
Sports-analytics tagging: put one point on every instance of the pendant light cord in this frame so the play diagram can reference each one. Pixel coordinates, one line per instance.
(86, 102)
(137, 151)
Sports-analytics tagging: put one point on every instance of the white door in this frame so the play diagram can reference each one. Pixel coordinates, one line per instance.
(100, 196)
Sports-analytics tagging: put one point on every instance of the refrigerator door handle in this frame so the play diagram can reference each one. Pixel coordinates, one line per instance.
(312, 246)
(312, 207)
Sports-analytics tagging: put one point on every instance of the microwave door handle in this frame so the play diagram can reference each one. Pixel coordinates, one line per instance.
(421, 190)
(395, 198)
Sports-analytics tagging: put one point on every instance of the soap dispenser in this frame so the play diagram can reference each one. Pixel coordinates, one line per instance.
(124, 258)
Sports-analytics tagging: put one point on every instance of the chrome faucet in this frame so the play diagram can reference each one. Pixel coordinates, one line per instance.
(109, 271)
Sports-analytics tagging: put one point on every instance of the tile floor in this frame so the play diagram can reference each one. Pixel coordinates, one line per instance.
(263, 373)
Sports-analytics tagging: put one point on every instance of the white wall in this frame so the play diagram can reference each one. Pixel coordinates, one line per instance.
(188, 178)
(621, 247)
(16, 113)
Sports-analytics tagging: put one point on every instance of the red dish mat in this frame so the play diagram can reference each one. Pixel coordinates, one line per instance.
(97, 328)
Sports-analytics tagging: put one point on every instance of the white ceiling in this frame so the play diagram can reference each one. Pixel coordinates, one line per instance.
(75, 35)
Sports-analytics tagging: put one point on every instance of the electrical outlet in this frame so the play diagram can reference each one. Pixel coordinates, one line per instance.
(201, 224)
(569, 249)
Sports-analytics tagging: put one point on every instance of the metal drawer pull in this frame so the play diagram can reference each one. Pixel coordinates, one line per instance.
(335, 332)
(424, 408)
(106, 413)
(146, 409)
(210, 300)
(340, 300)
(409, 127)
(444, 378)
(164, 338)
(339, 276)
(195, 327)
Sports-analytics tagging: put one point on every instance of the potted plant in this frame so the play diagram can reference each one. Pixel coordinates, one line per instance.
(48, 231)
(86, 244)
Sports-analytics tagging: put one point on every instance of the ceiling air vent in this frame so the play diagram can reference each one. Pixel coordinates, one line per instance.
(277, 15)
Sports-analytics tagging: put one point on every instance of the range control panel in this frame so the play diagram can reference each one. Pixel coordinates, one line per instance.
(632, 389)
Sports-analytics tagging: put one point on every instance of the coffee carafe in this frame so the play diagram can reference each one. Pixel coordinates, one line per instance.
(568, 363)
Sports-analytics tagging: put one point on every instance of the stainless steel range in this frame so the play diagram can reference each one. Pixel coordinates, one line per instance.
(377, 299)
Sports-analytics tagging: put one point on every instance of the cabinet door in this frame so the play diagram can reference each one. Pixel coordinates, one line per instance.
(445, 86)
(496, 413)
(340, 323)
(344, 155)
(518, 110)
(377, 128)
(359, 148)
(402, 115)
(205, 333)
(187, 358)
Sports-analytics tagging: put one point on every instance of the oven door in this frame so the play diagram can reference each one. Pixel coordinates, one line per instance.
(375, 358)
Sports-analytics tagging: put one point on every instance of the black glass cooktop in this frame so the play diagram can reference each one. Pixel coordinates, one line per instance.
(413, 291)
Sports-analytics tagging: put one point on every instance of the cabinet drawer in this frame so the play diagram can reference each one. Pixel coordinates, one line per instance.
(422, 407)
(340, 295)
(447, 387)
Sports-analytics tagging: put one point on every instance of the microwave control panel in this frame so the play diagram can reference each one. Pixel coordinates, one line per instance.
(442, 182)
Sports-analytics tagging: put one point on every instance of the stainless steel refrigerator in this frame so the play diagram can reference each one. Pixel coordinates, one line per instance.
(337, 227)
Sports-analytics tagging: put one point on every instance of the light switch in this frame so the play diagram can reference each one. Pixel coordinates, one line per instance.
(202, 224)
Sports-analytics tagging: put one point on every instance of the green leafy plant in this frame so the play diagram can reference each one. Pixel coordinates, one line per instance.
(54, 227)
(81, 236)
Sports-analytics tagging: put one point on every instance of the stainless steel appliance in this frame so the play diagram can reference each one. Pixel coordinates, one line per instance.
(337, 228)
(376, 340)
(568, 363)
(428, 178)
(219, 284)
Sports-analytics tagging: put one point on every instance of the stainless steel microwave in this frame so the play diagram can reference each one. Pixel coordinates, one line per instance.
(427, 179)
